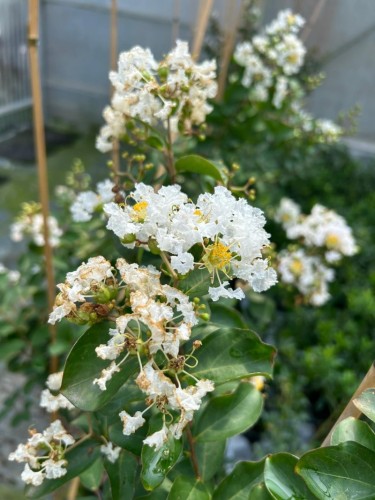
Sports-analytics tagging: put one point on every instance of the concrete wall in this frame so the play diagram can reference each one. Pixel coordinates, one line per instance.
(75, 46)
(344, 37)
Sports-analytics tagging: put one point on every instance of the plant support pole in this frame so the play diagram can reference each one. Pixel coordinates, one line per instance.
(201, 27)
(40, 147)
(113, 66)
(351, 410)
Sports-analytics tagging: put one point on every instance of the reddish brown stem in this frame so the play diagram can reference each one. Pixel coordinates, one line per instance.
(193, 456)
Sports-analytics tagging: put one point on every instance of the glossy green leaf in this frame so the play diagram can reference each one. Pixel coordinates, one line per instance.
(281, 480)
(352, 429)
(186, 488)
(346, 471)
(226, 316)
(92, 477)
(196, 284)
(157, 463)
(260, 492)
(240, 482)
(366, 403)
(231, 414)
(132, 443)
(83, 366)
(233, 353)
(199, 165)
(122, 475)
(210, 456)
(79, 459)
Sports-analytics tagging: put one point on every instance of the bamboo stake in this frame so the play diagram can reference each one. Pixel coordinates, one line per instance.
(176, 21)
(351, 410)
(40, 146)
(113, 66)
(312, 20)
(234, 16)
(204, 12)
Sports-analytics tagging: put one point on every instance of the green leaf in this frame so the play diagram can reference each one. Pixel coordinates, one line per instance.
(132, 443)
(281, 480)
(155, 142)
(186, 488)
(122, 475)
(346, 471)
(240, 482)
(92, 477)
(228, 415)
(210, 458)
(226, 316)
(79, 459)
(199, 165)
(260, 492)
(157, 463)
(366, 403)
(196, 284)
(83, 366)
(352, 429)
(233, 353)
(11, 348)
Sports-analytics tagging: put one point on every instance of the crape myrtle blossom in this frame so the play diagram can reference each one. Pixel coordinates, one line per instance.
(229, 231)
(307, 273)
(54, 402)
(87, 202)
(174, 91)
(44, 454)
(322, 228)
(325, 237)
(31, 224)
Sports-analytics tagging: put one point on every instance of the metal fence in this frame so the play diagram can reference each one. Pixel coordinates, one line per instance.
(15, 98)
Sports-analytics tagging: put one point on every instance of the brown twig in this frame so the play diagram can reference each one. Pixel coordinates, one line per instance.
(193, 455)
(40, 146)
(351, 410)
(312, 20)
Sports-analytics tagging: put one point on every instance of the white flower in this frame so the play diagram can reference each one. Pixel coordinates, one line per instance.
(287, 213)
(57, 432)
(157, 439)
(183, 263)
(131, 424)
(53, 403)
(228, 293)
(110, 451)
(106, 375)
(54, 381)
(31, 477)
(55, 469)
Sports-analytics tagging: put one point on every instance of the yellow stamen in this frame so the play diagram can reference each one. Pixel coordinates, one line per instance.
(140, 211)
(198, 213)
(332, 240)
(218, 256)
(296, 267)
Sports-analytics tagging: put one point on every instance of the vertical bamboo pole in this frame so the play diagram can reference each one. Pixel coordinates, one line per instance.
(312, 20)
(176, 22)
(233, 15)
(204, 12)
(40, 147)
(113, 66)
(351, 410)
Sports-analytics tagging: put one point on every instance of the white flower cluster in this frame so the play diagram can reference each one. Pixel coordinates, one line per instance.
(44, 454)
(87, 202)
(175, 89)
(12, 275)
(230, 233)
(54, 402)
(322, 230)
(307, 273)
(32, 225)
(163, 393)
(271, 58)
(89, 280)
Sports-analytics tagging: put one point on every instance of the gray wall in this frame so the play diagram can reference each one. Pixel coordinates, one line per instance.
(344, 37)
(75, 50)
